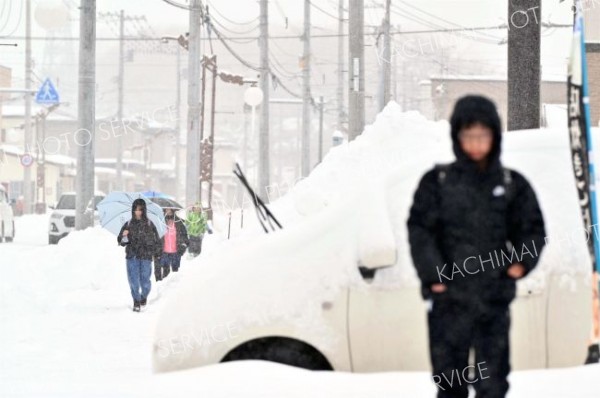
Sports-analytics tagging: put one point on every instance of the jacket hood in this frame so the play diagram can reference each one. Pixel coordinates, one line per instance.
(470, 110)
(135, 204)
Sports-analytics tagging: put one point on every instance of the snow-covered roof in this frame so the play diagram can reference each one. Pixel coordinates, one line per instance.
(19, 111)
(162, 166)
(96, 193)
(114, 160)
(56, 159)
(113, 172)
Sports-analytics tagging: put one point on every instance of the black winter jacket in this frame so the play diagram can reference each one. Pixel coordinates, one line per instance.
(144, 242)
(467, 228)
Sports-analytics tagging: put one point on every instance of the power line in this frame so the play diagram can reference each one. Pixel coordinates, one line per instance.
(228, 47)
(173, 3)
(275, 78)
(415, 18)
(9, 2)
(439, 18)
(285, 88)
(286, 73)
(18, 22)
(295, 37)
(213, 19)
(323, 11)
(212, 7)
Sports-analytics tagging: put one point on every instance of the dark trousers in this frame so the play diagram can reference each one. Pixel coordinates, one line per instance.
(456, 327)
(195, 246)
(160, 272)
(164, 264)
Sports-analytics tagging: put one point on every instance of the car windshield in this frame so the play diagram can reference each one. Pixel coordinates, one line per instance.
(97, 199)
(66, 202)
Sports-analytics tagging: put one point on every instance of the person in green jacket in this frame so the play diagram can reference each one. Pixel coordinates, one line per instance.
(196, 224)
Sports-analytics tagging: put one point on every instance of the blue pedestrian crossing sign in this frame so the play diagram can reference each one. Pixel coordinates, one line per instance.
(47, 94)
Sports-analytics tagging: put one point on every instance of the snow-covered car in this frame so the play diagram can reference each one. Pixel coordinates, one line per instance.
(336, 288)
(7, 222)
(62, 219)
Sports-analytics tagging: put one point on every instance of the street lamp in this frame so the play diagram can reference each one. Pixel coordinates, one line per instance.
(51, 14)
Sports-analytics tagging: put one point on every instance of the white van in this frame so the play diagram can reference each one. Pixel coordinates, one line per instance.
(7, 222)
(62, 219)
(336, 290)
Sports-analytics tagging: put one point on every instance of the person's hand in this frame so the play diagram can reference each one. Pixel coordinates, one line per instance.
(438, 288)
(516, 271)
(126, 232)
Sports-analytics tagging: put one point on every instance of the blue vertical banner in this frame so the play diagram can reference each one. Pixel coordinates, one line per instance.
(580, 133)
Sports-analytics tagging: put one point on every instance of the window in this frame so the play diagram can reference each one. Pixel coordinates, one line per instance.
(66, 202)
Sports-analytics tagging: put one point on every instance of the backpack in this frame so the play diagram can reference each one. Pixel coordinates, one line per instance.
(442, 171)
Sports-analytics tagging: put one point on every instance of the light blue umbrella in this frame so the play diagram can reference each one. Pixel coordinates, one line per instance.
(115, 210)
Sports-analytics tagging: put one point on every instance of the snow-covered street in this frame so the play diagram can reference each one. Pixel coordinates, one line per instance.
(68, 330)
(298, 199)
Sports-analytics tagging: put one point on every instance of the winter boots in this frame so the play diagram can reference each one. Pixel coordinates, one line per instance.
(139, 305)
(593, 354)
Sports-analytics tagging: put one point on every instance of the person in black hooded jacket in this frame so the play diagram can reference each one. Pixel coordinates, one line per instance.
(141, 241)
(474, 228)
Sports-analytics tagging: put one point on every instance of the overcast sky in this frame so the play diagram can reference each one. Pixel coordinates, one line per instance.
(169, 20)
(407, 15)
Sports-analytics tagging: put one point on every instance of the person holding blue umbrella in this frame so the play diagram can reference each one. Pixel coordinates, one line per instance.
(142, 242)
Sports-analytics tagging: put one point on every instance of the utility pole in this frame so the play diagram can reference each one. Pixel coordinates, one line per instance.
(356, 97)
(524, 68)
(178, 123)
(263, 137)
(120, 110)
(305, 142)
(394, 77)
(385, 64)
(27, 193)
(192, 185)
(321, 106)
(121, 20)
(340, 71)
(86, 112)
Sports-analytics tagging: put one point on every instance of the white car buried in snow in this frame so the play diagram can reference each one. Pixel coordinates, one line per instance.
(298, 296)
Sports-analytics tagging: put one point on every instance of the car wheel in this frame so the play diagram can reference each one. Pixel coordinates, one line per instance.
(281, 350)
(11, 238)
(52, 240)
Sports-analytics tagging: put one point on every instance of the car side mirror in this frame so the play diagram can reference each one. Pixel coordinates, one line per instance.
(368, 274)
(368, 267)
(51, 207)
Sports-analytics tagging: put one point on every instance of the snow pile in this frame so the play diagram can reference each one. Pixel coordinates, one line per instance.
(377, 174)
